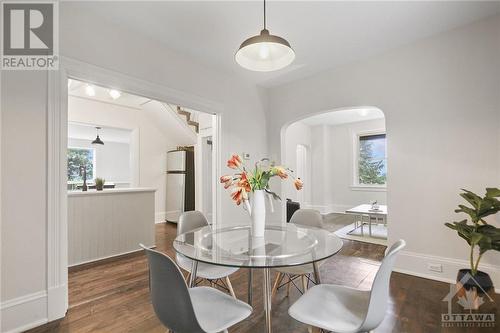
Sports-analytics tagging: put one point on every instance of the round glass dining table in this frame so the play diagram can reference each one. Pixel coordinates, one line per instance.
(290, 245)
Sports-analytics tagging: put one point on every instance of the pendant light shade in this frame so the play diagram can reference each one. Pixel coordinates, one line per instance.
(97, 140)
(265, 52)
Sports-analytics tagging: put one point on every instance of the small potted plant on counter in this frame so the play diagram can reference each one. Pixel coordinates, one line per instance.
(480, 236)
(99, 183)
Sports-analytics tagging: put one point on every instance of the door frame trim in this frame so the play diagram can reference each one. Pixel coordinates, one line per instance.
(57, 124)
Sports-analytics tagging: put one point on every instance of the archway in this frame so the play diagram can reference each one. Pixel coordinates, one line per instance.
(342, 155)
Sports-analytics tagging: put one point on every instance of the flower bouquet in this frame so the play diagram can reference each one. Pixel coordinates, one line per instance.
(250, 187)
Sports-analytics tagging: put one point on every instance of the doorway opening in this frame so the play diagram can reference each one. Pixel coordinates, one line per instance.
(342, 157)
(131, 162)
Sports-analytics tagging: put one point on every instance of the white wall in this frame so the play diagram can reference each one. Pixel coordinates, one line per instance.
(112, 160)
(24, 118)
(441, 100)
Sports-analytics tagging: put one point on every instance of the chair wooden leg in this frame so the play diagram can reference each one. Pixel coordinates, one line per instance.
(230, 287)
(304, 283)
(188, 276)
(276, 284)
(288, 286)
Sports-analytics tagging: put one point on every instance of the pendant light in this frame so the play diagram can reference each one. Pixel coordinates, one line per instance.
(265, 52)
(97, 140)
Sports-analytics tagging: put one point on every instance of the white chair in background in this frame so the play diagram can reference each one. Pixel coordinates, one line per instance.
(216, 275)
(307, 218)
(347, 310)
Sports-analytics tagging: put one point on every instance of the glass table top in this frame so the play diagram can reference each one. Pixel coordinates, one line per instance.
(290, 245)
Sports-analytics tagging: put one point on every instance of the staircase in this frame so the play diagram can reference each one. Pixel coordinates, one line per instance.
(188, 116)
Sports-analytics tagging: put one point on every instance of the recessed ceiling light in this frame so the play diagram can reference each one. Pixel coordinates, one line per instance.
(90, 90)
(115, 94)
(363, 112)
(265, 52)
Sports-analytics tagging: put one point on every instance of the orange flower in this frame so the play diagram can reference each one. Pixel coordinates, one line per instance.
(227, 181)
(234, 162)
(281, 172)
(239, 195)
(243, 182)
(298, 184)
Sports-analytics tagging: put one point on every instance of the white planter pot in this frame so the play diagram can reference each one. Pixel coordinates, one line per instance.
(258, 213)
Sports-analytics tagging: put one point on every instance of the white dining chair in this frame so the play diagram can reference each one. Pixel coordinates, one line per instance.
(347, 310)
(288, 275)
(215, 275)
(189, 310)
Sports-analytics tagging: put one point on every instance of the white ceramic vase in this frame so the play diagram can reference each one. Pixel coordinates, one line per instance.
(258, 213)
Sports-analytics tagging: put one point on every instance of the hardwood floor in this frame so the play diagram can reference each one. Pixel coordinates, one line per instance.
(113, 297)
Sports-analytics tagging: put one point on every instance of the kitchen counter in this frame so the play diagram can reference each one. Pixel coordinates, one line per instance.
(108, 223)
(111, 191)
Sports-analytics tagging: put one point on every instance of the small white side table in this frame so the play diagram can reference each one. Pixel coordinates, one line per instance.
(367, 211)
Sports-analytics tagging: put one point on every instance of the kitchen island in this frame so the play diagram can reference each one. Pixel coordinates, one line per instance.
(108, 223)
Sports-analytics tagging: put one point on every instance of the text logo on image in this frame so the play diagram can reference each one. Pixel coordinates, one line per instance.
(30, 35)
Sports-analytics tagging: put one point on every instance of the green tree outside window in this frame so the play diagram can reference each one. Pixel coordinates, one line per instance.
(80, 157)
(372, 161)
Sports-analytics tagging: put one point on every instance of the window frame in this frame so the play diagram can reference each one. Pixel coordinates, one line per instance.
(356, 185)
(94, 163)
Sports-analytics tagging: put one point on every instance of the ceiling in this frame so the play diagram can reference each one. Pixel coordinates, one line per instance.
(344, 117)
(78, 89)
(324, 34)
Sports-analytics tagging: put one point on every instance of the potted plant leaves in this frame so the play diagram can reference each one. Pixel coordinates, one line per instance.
(99, 184)
(480, 235)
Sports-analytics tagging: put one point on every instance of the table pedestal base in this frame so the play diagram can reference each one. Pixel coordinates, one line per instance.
(267, 298)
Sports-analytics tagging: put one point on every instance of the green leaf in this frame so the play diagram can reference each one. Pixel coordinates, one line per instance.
(490, 239)
(469, 211)
(475, 238)
(492, 192)
(472, 198)
(275, 196)
(463, 229)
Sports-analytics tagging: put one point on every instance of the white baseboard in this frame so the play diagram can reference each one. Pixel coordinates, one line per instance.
(325, 209)
(413, 263)
(160, 217)
(57, 300)
(25, 312)
(109, 257)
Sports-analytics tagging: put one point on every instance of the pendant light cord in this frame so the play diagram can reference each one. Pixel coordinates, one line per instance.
(265, 15)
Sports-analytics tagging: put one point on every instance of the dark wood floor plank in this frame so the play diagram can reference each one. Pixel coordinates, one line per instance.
(114, 296)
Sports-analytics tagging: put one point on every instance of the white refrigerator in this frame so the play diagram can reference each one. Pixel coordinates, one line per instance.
(180, 183)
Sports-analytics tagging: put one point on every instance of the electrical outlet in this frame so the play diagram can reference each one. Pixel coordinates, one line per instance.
(435, 268)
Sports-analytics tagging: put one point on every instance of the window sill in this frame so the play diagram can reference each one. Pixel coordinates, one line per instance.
(369, 188)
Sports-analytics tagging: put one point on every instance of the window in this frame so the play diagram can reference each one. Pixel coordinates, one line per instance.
(80, 157)
(372, 160)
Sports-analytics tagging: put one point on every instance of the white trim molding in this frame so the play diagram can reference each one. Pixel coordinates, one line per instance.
(369, 188)
(55, 301)
(57, 232)
(160, 217)
(417, 264)
(23, 313)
